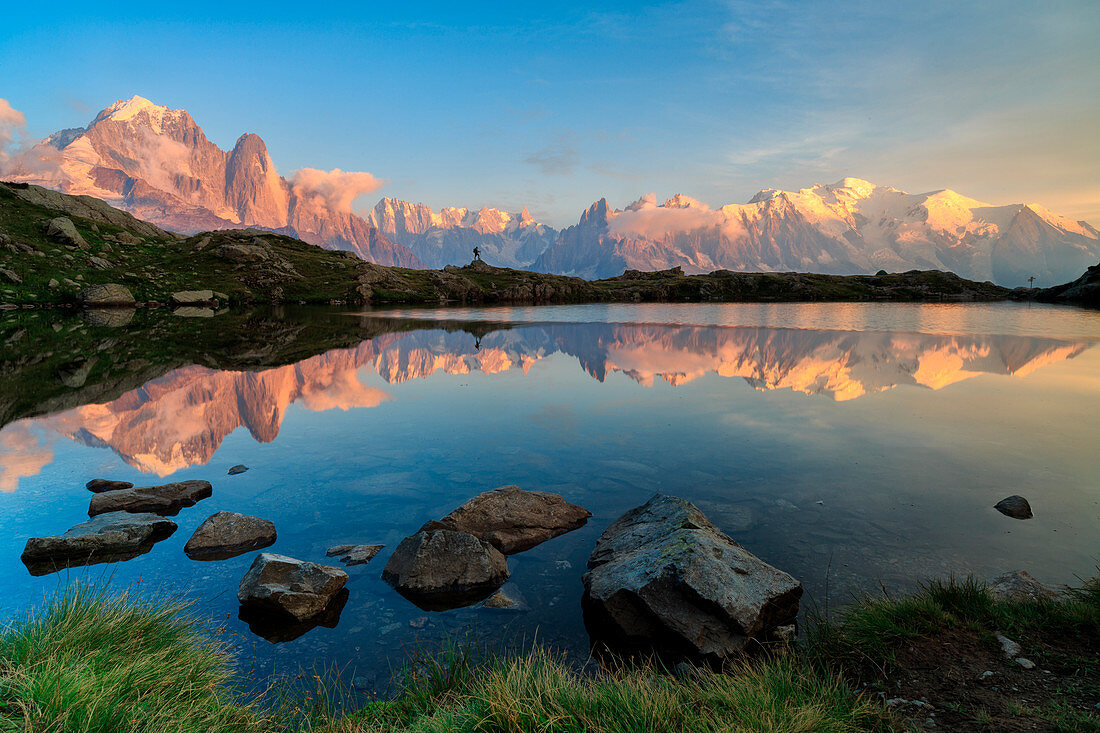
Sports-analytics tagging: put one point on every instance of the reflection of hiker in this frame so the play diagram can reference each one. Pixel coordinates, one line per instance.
(477, 343)
(477, 253)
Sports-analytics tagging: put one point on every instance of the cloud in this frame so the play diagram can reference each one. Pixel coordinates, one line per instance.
(22, 454)
(556, 159)
(336, 187)
(645, 219)
(12, 122)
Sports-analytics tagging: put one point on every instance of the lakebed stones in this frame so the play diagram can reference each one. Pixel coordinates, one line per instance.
(664, 579)
(354, 554)
(1019, 586)
(105, 538)
(227, 534)
(110, 295)
(442, 568)
(508, 598)
(99, 485)
(513, 520)
(166, 499)
(1014, 506)
(283, 586)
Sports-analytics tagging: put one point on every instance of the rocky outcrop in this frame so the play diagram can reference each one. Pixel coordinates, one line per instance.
(1014, 506)
(1084, 291)
(227, 534)
(513, 520)
(166, 499)
(664, 579)
(111, 295)
(354, 554)
(99, 485)
(443, 568)
(281, 585)
(1019, 586)
(110, 537)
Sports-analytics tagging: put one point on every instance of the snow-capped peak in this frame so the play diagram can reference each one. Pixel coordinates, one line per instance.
(857, 186)
(137, 107)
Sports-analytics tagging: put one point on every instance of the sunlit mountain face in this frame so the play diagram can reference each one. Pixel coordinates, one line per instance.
(180, 419)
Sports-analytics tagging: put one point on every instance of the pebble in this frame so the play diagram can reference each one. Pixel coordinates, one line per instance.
(1009, 647)
(1025, 663)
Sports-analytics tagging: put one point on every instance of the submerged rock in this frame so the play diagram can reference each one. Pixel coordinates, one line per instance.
(166, 499)
(99, 485)
(106, 538)
(239, 468)
(508, 598)
(1014, 506)
(444, 568)
(1020, 586)
(279, 584)
(227, 534)
(663, 578)
(279, 627)
(354, 554)
(513, 520)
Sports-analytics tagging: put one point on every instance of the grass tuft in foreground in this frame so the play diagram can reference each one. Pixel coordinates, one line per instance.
(96, 662)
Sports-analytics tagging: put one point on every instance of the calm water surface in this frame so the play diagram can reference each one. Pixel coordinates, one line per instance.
(851, 445)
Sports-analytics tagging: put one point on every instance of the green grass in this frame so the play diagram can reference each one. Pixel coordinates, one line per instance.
(862, 638)
(97, 663)
(536, 691)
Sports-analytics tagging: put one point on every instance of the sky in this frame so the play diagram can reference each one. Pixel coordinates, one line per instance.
(555, 105)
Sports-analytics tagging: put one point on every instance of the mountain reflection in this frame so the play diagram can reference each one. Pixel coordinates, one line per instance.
(181, 418)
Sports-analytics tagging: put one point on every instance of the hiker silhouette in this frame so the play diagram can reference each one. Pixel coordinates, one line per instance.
(477, 253)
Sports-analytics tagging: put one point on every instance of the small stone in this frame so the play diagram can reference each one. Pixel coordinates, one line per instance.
(354, 554)
(1020, 586)
(1014, 506)
(1008, 646)
(239, 468)
(508, 598)
(1025, 663)
(419, 622)
(99, 485)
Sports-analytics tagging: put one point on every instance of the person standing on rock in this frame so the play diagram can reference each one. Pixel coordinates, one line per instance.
(477, 253)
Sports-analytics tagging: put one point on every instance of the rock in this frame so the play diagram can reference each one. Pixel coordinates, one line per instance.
(1015, 507)
(188, 311)
(74, 374)
(419, 622)
(278, 627)
(283, 585)
(108, 317)
(1020, 586)
(111, 294)
(166, 499)
(1009, 647)
(227, 534)
(52, 283)
(124, 237)
(192, 297)
(99, 263)
(242, 253)
(63, 230)
(239, 468)
(1025, 663)
(354, 554)
(99, 485)
(10, 276)
(514, 520)
(444, 568)
(663, 578)
(106, 538)
(508, 598)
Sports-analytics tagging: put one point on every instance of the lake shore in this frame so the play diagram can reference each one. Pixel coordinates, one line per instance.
(95, 661)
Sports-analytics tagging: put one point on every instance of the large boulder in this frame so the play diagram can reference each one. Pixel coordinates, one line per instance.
(227, 534)
(443, 568)
(63, 230)
(281, 585)
(166, 499)
(664, 579)
(106, 538)
(513, 520)
(108, 295)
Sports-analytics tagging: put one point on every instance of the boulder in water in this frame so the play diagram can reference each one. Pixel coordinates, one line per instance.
(112, 537)
(444, 568)
(227, 534)
(166, 499)
(278, 584)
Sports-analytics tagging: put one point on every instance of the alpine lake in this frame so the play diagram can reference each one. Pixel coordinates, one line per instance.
(858, 447)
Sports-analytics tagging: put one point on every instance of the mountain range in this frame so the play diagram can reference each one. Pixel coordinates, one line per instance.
(157, 164)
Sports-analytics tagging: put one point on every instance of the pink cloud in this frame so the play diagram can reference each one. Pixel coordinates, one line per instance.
(12, 121)
(336, 187)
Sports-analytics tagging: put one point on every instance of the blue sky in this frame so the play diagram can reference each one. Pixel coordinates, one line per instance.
(555, 105)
